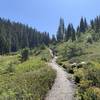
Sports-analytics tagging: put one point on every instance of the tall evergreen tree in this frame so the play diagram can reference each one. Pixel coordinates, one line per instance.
(97, 24)
(82, 25)
(70, 33)
(61, 31)
(53, 40)
(92, 24)
(78, 34)
(73, 33)
(85, 24)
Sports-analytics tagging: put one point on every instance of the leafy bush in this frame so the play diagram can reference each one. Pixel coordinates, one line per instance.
(72, 50)
(89, 40)
(80, 74)
(24, 54)
(68, 68)
(94, 75)
(10, 68)
(44, 59)
(42, 47)
(88, 79)
(31, 85)
(91, 93)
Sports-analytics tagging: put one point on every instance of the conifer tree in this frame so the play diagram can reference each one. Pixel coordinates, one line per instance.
(73, 33)
(70, 33)
(85, 24)
(61, 31)
(53, 39)
(82, 25)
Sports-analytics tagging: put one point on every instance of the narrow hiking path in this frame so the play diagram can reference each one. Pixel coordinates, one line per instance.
(63, 89)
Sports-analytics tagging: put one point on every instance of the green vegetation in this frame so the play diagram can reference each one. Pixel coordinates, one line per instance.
(82, 60)
(25, 75)
(42, 52)
(26, 80)
(24, 54)
(79, 53)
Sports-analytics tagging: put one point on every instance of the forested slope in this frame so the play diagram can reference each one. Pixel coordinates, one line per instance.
(15, 36)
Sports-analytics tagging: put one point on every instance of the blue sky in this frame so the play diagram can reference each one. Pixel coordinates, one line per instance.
(45, 14)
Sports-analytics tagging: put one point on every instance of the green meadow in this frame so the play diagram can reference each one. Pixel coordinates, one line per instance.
(29, 80)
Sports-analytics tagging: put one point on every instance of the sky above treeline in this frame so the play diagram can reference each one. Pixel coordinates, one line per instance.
(44, 15)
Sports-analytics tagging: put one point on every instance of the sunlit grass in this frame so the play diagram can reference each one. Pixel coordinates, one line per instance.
(29, 80)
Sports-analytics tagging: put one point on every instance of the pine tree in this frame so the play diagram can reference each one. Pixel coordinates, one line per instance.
(92, 24)
(78, 34)
(97, 24)
(85, 24)
(53, 40)
(61, 31)
(73, 33)
(82, 25)
(70, 33)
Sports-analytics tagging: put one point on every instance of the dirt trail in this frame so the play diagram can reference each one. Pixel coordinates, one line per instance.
(63, 89)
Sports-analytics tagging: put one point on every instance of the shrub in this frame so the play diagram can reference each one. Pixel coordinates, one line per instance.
(89, 40)
(94, 75)
(92, 93)
(69, 69)
(10, 68)
(72, 50)
(44, 59)
(42, 46)
(84, 84)
(24, 54)
(80, 74)
(31, 85)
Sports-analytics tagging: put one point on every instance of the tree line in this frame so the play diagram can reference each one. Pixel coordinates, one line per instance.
(15, 36)
(70, 33)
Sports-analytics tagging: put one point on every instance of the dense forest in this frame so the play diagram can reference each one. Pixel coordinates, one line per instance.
(14, 36)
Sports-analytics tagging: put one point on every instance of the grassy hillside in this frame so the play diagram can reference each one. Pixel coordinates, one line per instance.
(29, 80)
(82, 60)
